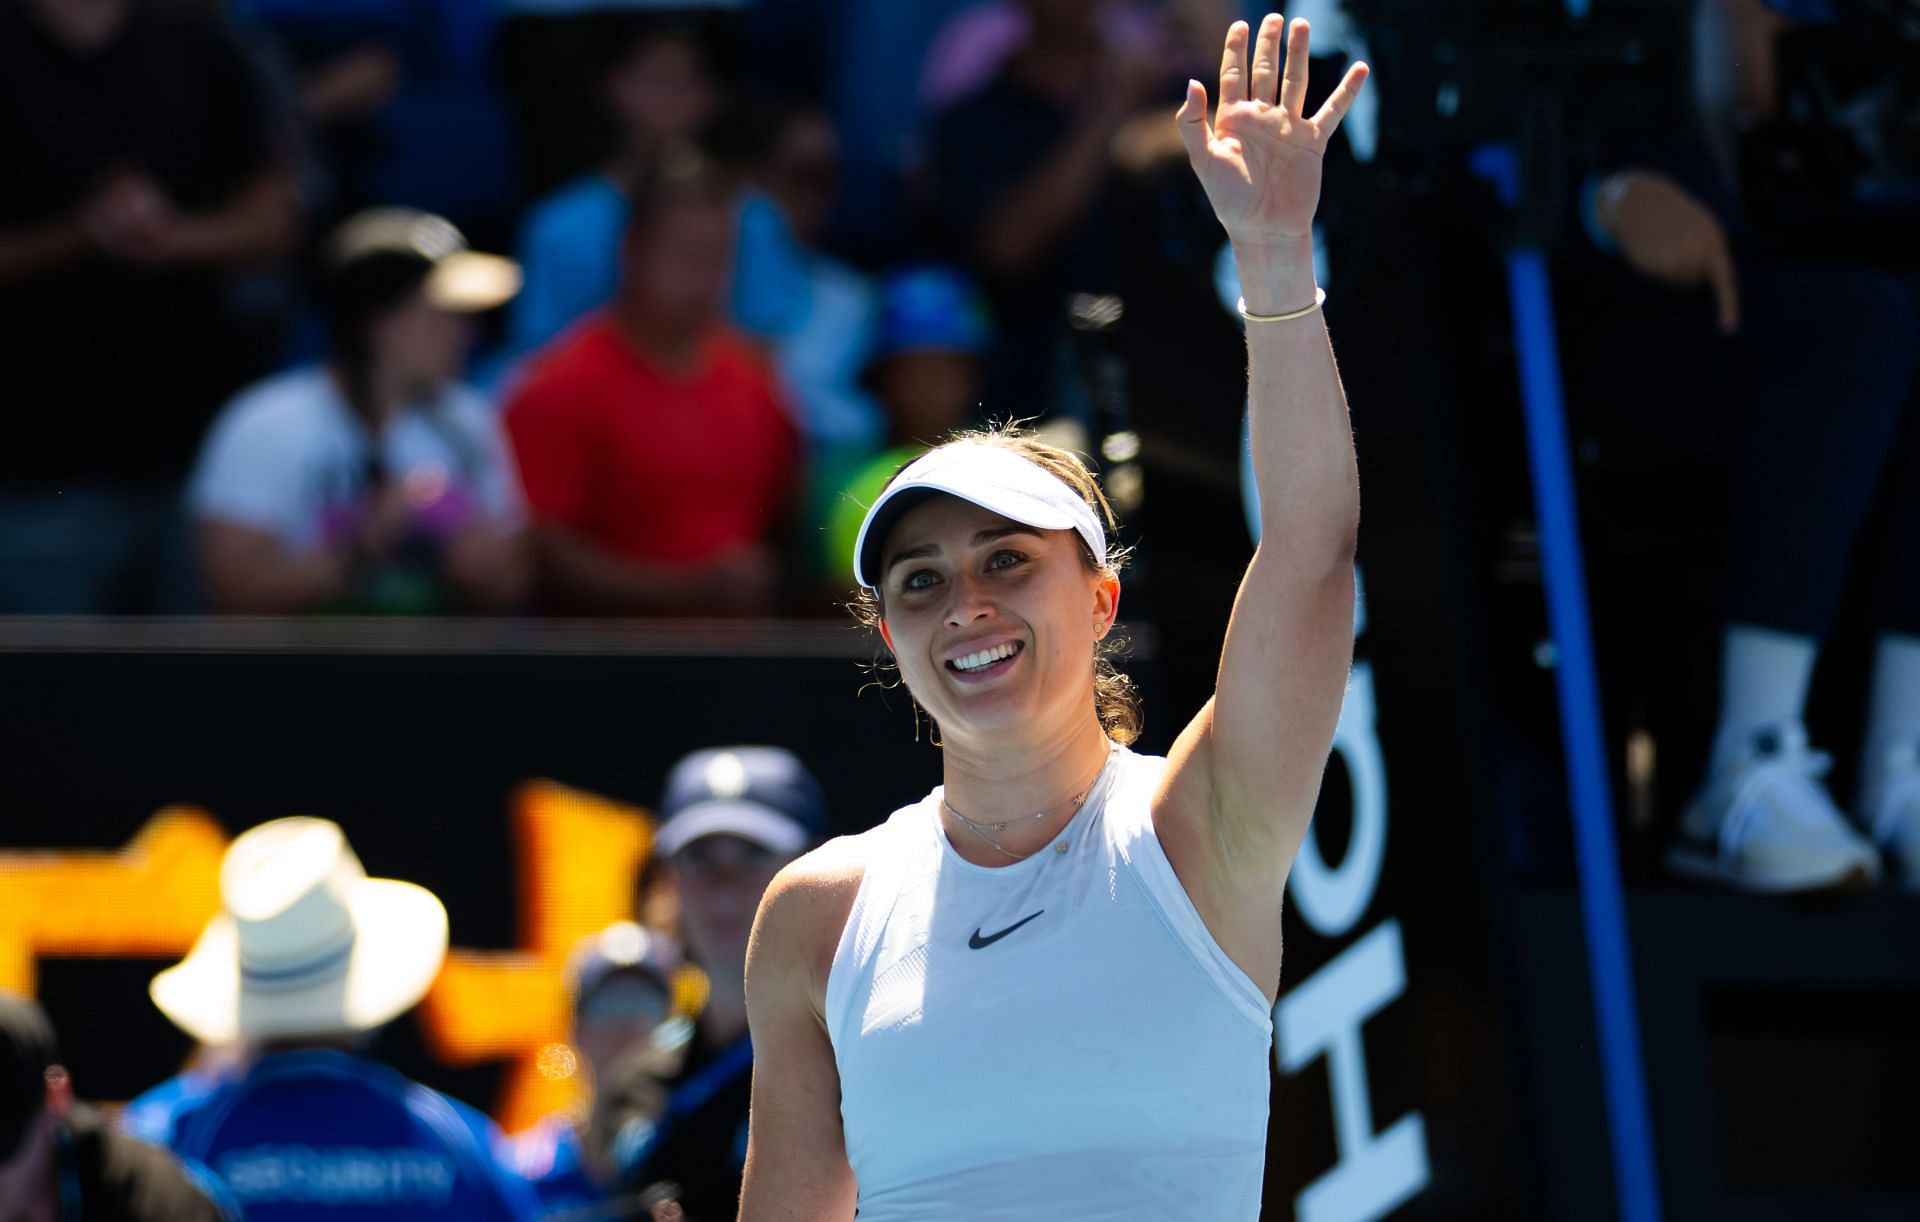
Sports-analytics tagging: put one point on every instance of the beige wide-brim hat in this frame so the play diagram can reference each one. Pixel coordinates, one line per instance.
(459, 279)
(306, 944)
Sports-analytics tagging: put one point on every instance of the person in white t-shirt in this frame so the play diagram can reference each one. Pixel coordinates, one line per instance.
(373, 481)
(1044, 991)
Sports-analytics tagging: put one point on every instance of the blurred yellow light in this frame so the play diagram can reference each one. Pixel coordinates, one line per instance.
(556, 1062)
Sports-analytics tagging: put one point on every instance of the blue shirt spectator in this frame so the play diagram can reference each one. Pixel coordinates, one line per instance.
(305, 958)
(656, 86)
(150, 1115)
(319, 1133)
(550, 1155)
(570, 251)
(817, 314)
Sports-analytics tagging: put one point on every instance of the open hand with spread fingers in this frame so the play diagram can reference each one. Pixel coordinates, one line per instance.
(1259, 159)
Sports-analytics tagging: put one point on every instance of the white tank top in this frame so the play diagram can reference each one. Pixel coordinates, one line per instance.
(1058, 1038)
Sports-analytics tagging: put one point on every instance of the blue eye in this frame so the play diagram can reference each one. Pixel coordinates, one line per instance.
(1013, 558)
(914, 582)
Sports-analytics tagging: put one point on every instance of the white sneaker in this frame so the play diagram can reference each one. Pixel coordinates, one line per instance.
(1890, 809)
(1765, 823)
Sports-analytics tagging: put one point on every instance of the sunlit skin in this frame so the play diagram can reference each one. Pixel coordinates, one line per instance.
(959, 579)
(1240, 781)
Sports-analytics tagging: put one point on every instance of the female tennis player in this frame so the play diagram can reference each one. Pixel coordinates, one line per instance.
(1044, 991)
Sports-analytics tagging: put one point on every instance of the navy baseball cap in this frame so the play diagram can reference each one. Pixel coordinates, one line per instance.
(761, 794)
(621, 947)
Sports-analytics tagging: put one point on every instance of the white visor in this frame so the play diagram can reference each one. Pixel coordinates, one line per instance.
(990, 476)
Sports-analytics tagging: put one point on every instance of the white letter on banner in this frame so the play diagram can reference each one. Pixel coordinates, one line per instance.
(1332, 901)
(1376, 1172)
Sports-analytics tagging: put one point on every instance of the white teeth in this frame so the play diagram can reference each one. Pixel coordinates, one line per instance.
(986, 657)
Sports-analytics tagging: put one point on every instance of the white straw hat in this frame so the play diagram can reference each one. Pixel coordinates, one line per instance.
(458, 278)
(992, 477)
(306, 944)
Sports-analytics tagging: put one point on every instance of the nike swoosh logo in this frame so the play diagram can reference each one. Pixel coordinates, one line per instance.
(979, 943)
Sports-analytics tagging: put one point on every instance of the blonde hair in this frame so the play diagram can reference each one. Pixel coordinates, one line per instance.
(1115, 699)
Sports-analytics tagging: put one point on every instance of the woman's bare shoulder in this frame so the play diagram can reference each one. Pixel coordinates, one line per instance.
(835, 863)
(807, 905)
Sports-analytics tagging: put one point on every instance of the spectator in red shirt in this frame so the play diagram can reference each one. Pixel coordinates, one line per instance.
(657, 455)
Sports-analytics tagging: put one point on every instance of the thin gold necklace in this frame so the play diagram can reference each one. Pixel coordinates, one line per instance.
(987, 831)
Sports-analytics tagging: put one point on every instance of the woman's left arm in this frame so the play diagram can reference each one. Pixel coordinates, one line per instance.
(1246, 772)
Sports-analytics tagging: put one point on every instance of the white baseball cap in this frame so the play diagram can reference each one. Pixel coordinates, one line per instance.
(990, 476)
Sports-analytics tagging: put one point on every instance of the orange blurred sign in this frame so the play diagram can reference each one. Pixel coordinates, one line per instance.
(148, 899)
(577, 857)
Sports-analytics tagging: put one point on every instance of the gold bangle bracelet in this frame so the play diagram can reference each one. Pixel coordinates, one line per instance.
(1319, 299)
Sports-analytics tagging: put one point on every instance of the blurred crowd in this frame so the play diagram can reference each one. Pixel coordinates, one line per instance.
(285, 1113)
(555, 306)
(261, 363)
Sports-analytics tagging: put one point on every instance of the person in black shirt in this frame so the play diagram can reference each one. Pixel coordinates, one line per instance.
(1021, 172)
(1707, 347)
(622, 982)
(144, 165)
(60, 1161)
(732, 817)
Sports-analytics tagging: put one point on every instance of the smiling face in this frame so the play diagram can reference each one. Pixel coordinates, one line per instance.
(993, 623)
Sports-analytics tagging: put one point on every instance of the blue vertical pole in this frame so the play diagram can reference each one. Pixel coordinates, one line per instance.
(1602, 908)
